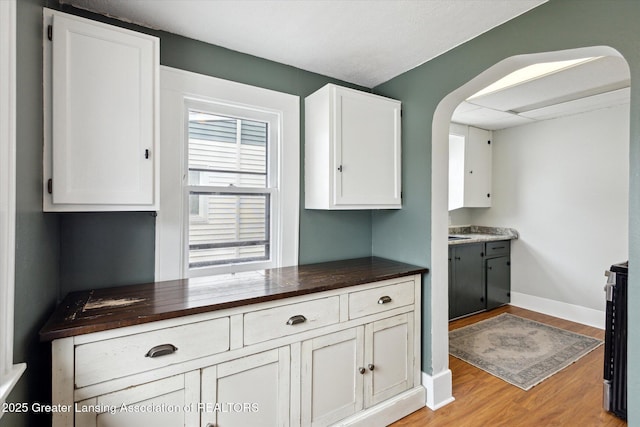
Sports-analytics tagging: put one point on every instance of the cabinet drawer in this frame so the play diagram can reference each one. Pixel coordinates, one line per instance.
(380, 299)
(264, 325)
(123, 356)
(498, 248)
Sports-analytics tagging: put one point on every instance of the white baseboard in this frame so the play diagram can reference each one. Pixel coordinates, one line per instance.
(388, 411)
(439, 389)
(563, 310)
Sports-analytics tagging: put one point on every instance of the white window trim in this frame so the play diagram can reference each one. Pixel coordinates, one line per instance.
(180, 88)
(9, 373)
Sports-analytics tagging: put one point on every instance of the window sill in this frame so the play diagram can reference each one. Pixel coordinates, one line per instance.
(9, 380)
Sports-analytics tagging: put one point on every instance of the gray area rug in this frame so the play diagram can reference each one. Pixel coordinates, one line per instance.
(520, 351)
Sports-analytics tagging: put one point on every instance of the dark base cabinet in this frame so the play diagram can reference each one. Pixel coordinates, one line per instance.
(479, 277)
(498, 281)
(466, 288)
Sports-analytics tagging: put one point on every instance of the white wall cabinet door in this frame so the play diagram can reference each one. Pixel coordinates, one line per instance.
(469, 167)
(169, 402)
(332, 377)
(252, 391)
(101, 108)
(478, 160)
(388, 358)
(352, 150)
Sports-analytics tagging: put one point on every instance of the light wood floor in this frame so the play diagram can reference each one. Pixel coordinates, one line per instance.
(572, 397)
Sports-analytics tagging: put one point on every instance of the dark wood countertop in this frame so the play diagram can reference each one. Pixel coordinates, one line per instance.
(103, 309)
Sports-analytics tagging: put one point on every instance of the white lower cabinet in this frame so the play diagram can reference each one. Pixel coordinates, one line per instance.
(389, 358)
(331, 382)
(252, 391)
(343, 357)
(344, 372)
(162, 403)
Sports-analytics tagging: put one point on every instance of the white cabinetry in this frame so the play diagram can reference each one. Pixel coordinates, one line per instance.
(158, 403)
(356, 364)
(388, 354)
(251, 391)
(100, 112)
(352, 150)
(331, 385)
(469, 167)
(355, 369)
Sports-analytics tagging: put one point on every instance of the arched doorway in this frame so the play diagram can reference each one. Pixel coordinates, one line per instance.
(441, 376)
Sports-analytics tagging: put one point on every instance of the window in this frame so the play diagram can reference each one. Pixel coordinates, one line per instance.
(229, 181)
(230, 190)
(9, 373)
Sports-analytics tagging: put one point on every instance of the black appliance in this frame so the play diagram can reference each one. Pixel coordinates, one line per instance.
(615, 341)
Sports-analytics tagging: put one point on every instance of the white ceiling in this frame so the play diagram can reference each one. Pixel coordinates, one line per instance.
(359, 41)
(368, 42)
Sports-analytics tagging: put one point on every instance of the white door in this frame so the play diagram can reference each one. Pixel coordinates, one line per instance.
(478, 161)
(388, 358)
(332, 377)
(252, 391)
(104, 83)
(367, 150)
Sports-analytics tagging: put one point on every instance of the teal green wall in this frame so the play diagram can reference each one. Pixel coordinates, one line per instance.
(556, 25)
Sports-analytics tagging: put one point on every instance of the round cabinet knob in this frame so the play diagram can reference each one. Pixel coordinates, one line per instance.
(211, 425)
(371, 366)
(362, 370)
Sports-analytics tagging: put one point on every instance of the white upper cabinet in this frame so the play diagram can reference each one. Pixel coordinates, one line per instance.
(469, 167)
(352, 150)
(100, 110)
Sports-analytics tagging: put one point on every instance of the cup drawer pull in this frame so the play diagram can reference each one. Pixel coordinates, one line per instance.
(384, 300)
(161, 350)
(298, 318)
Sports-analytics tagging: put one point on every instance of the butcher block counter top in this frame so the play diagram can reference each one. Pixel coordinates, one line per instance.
(103, 309)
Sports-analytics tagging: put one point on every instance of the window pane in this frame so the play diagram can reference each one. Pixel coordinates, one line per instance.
(227, 228)
(227, 151)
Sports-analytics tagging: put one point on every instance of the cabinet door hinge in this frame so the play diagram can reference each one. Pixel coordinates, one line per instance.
(50, 186)
(50, 32)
